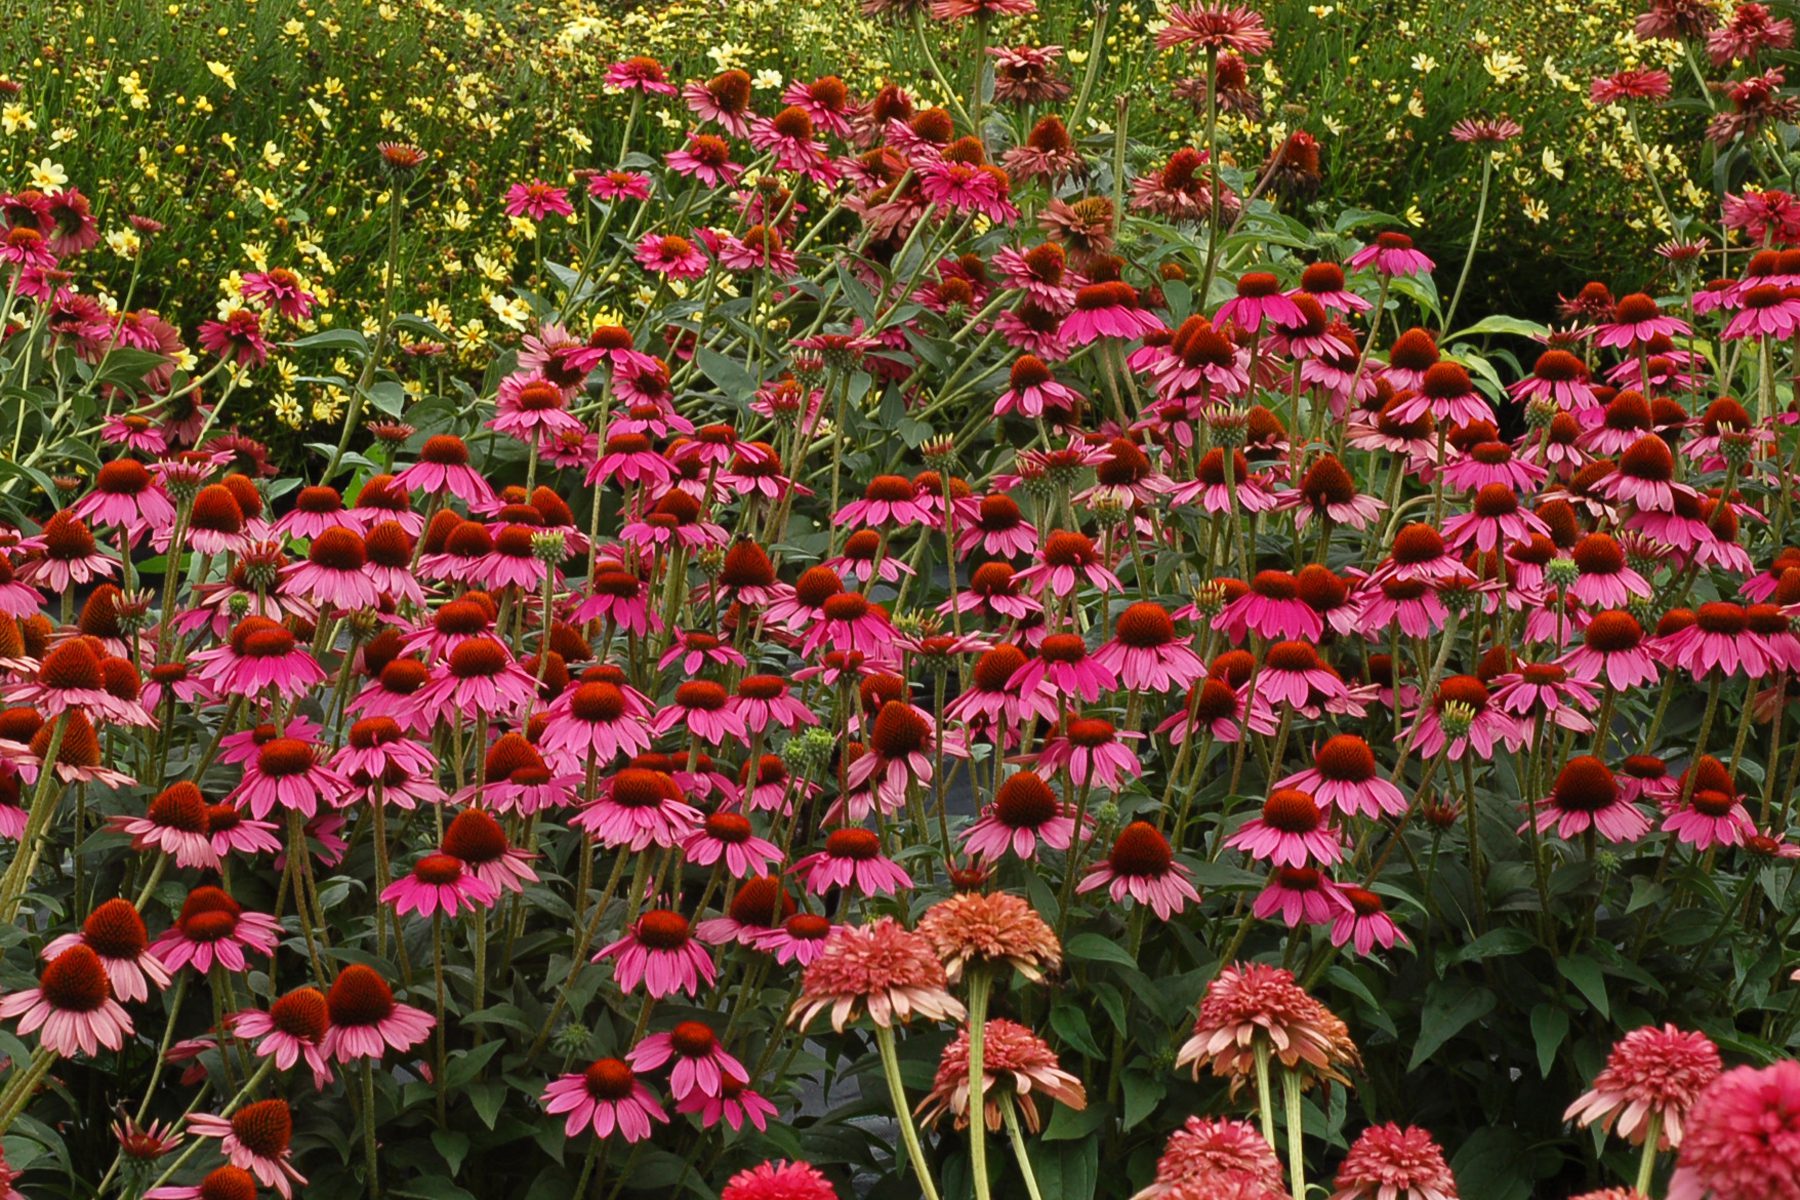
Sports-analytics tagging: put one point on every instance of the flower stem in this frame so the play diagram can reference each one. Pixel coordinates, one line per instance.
(909, 1134)
(1018, 1145)
(368, 1123)
(1647, 1161)
(1296, 1132)
(1264, 1098)
(979, 985)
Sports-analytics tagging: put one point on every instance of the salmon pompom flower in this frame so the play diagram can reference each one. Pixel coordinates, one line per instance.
(990, 927)
(1015, 1062)
(1652, 1078)
(1387, 1162)
(882, 968)
(72, 1004)
(608, 1098)
(1252, 1004)
(779, 1180)
(1209, 1149)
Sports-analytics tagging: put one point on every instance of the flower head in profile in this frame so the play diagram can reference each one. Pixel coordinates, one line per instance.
(72, 1005)
(366, 1019)
(440, 882)
(990, 927)
(1254, 1003)
(608, 1098)
(1212, 26)
(1742, 1137)
(660, 953)
(1214, 1148)
(293, 1029)
(1014, 1060)
(1142, 866)
(257, 1138)
(882, 968)
(115, 931)
(1388, 1162)
(1652, 1078)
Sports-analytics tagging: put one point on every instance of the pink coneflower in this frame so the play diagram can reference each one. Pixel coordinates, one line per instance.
(1388, 1162)
(1107, 310)
(1344, 776)
(214, 928)
(439, 882)
(1145, 654)
(1636, 321)
(1651, 1080)
(660, 953)
(639, 73)
(230, 832)
(1252, 1004)
(1612, 650)
(701, 1063)
(1634, 83)
(443, 466)
(289, 773)
(706, 157)
(334, 573)
(1024, 813)
(703, 709)
(1142, 866)
(881, 967)
(1271, 608)
(477, 839)
(70, 556)
(736, 1105)
(1742, 1137)
(789, 136)
(1067, 560)
(619, 185)
(1093, 751)
(1485, 131)
(366, 1020)
(757, 248)
(729, 837)
(293, 1029)
(72, 1004)
(1259, 297)
(531, 408)
(852, 858)
(1033, 393)
(1362, 921)
(671, 255)
(607, 1097)
(1447, 394)
(991, 701)
(1328, 491)
(1715, 641)
(282, 290)
(765, 700)
(594, 721)
(1586, 796)
(221, 1183)
(261, 654)
(538, 200)
(115, 932)
(480, 675)
(1391, 254)
(1291, 832)
(257, 1138)
(800, 938)
(127, 496)
(637, 808)
(237, 337)
(1064, 664)
(1711, 818)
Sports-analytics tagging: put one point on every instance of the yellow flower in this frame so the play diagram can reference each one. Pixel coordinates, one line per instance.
(132, 86)
(287, 411)
(223, 73)
(1424, 64)
(1503, 65)
(15, 117)
(1413, 216)
(46, 174)
(513, 312)
(1535, 210)
(1553, 166)
(124, 242)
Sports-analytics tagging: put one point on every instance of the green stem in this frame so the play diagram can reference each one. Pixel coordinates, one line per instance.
(909, 1134)
(979, 985)
(1018, 1144)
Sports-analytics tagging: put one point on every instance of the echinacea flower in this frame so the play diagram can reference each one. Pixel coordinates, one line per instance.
(1741, 1138)
(660, 953)
(1586, 796)
(1391, 1162)
(701, 1064)
(1344, 776)
(852, 858)
(606, 1097)
(115, 932)
(366, 1019)
(257, 1138)
(1652, 1078)
(779, 1180)
(1253, 1004)
(1291, 832)
(1362, 920)
(72, 1005)
(440, 882)
(990, 927)
(292, 1030)
(1017, 1065)
(1209, 1149)
(1142, 866)
(880, 968)
(1024, 813)
(211, 928)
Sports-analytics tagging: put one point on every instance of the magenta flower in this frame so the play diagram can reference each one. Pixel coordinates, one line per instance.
(1391, 254)
(638, 808)
(852, 858)
(1145, 653)
(440, 882)
(701, 1064)
(661, 954)
(73, 1005)
(366, 1020)
(1362, 921)
(214, 928)
(1291, 832)
(293, 1029)
(1301, 895)
(1586, 796)
(1344, 776)
(1092, 751)
(728, 837)
(1143, 867)
(608, 1098)
(1024, 812)
(115, 933)
(538, 200)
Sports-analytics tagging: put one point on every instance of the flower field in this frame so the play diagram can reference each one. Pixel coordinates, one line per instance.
(953, 599)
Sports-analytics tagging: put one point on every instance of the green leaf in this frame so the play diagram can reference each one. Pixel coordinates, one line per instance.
(1094, 947)
(433, 1187)
(1450, 1006)
(465, 1066)
(332, 339)
(1071, 1025)
(1142, 1094)
(487, 1099)
(1500, 324)
(1549, 1026)
(1588, 979)
(1495, 943)
(454, 1146)
(731, 378)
